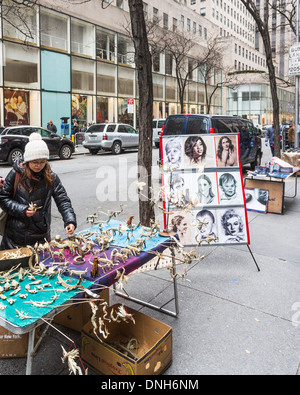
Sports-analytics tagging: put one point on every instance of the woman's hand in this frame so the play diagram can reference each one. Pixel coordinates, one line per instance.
(1, 181)
(70, 229)
(30, 212)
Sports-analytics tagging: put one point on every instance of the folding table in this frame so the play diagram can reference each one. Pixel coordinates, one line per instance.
(23, 316)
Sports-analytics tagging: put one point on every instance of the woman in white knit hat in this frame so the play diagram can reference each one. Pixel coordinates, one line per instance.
(35, 185)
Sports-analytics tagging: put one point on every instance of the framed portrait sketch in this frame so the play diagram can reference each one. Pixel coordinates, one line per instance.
(230, 188)
(257, 199)
(172, 153)
(204, 224)
(204, 189)
(232, 226)
(199, 152)
(180, 224)
(227, 151)
(177, 189)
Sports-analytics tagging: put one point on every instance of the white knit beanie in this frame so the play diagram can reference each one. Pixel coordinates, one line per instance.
(36, 148)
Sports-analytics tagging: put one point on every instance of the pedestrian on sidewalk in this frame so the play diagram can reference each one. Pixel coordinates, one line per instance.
(51, 127)
(270, 138)
(28, 204)
(291, 135)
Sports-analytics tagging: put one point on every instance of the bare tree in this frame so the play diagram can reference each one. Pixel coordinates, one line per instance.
(262, 18)
(189, 55)
(15, 14)
(210, 66)
(287, 10)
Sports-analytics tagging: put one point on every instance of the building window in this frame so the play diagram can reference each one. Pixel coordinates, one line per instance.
(165, 21)
(82, 42)
(168, 64)
(83, 71)
(174, 25)
(200, 30)
(54, 32)
(126, 81)
(120, 4)
(155, 16)
(105, 44)
(125, 50)
(23, 22)
(156, 60)
(106, 78)
(21, 67)
(145, 5)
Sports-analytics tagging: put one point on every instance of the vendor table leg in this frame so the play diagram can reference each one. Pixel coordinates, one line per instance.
(296, 188)
(30, 351)
(150, 305)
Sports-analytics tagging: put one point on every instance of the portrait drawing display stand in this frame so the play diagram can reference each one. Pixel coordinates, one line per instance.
(203, 190)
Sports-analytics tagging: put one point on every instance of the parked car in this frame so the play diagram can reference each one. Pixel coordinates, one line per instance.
(112, 137)
(250, 141)
(14, 138)
(157, 125)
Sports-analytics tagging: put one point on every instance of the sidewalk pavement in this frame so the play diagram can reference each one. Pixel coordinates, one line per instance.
(233, 319)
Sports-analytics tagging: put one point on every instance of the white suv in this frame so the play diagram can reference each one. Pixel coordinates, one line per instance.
(157, 125)
(110, 137)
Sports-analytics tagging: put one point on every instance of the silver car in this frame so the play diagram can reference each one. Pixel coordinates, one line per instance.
(112, 137)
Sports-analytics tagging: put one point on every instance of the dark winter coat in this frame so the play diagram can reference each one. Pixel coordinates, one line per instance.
(51, 127)
(21, 230)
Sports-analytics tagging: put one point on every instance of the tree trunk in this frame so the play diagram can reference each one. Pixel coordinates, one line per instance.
(274, 94)
(143, 64)
(263, 27)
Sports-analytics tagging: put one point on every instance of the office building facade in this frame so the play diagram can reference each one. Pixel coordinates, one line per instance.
(72, 60)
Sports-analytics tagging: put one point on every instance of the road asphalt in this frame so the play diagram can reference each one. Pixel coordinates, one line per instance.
(233, 318)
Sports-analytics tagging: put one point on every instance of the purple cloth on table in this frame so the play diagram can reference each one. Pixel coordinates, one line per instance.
(107, 277)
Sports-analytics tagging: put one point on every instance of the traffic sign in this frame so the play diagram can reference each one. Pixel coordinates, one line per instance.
(294, 60)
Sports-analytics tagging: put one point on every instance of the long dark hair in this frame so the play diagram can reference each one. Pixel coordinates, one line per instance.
(220, 147)
(28, 174)
(189, 146)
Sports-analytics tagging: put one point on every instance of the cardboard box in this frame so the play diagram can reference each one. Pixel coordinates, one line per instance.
(8, 263)
(77, 315)
(14, 346)
(154, 351)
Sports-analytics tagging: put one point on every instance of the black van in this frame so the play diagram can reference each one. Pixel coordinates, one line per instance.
(250, 142)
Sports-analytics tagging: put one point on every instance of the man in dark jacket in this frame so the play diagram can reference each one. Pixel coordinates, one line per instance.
(270, 138)
(51, 127)
(27, 224)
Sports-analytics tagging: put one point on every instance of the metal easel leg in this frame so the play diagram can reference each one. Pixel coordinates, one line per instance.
(253, 258)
